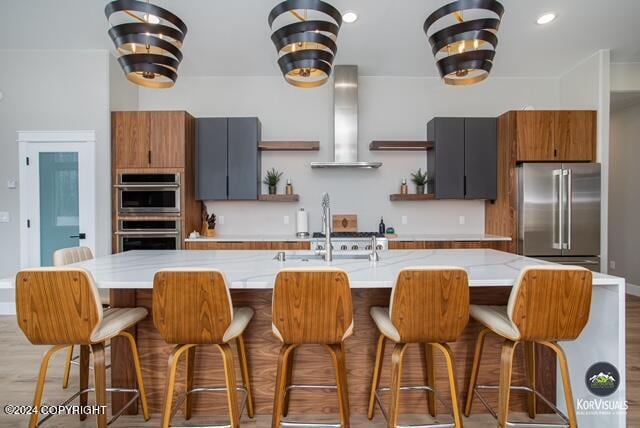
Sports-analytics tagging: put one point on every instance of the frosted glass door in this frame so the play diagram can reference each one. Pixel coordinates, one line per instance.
(59, 203)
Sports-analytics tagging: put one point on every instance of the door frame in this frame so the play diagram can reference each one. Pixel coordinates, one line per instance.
(85, 142)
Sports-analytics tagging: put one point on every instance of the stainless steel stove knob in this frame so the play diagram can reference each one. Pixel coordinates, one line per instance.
(354, 247)
(343, 247)
(320, 247)
(379, 247)
(368, 247)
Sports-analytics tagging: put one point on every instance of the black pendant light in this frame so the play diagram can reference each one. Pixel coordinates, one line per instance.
(307, 46)
(464, 52)
(148, 39)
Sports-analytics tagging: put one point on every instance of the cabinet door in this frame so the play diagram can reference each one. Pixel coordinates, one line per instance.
(534, 135)
(211, 159)
(449, 158)
(575, 135)
(480, 158)
(243, 159)
(130, 133)
(167, 139)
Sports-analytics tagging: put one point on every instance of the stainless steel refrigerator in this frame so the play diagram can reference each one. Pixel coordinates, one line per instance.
(559, 212)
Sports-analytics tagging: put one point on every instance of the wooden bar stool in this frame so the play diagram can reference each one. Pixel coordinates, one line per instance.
(60, 307)
(311, 306)
(67, 256)
(547, 304)
(193, 307)
(429, 306)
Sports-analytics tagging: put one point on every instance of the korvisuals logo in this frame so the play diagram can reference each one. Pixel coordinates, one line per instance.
(602, 379)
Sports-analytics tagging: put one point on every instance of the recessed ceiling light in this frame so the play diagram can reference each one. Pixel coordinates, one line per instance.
(546, 18)
(350, 17)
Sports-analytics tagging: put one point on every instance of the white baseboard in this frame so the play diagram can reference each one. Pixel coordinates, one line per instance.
(7, 308)
(634, 290)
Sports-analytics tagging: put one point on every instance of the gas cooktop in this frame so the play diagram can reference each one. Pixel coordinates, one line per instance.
(349, 235)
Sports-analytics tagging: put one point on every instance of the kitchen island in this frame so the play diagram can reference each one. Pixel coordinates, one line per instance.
(251, 276)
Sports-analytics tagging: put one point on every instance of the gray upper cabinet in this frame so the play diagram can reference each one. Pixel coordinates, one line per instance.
(463, 162)
(211, 158)
(227, 159)
(445, 163)
(244, 158)
(480, 158)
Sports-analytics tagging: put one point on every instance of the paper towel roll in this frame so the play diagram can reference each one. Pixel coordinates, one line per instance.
(302, 223)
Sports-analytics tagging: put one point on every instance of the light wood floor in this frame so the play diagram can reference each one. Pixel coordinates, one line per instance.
(19, 362)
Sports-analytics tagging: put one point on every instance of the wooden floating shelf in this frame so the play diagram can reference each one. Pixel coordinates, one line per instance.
(412, 197)
(279, 198)
(380, 145)
(289, 146)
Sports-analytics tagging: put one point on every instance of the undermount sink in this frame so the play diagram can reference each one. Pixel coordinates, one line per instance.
(307, 257)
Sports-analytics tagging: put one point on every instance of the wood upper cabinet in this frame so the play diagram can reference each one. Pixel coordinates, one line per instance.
(534, 135)
(158, 139)
(130, 134)
(556, 135)
(575, 135)
(167, 139)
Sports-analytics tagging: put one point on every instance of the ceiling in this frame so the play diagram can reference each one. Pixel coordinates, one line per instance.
(231, 38)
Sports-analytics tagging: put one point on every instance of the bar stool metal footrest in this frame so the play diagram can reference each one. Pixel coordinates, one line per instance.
(309, 424)
(84, 391)
(414, 388)
(523, 424)
(183, 397)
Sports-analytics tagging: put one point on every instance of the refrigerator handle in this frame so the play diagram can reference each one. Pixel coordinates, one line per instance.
(569, 202)
(557, 240)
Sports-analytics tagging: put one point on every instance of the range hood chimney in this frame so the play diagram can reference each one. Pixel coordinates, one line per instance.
(345, 121)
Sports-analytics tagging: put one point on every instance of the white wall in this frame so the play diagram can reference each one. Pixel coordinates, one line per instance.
(390, 108)
(52, 90)
(588, 86)
(624, 203)
(123, 95)
(625, 77)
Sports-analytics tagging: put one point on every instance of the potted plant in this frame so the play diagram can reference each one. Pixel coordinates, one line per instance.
(419, 178)
(272, 179)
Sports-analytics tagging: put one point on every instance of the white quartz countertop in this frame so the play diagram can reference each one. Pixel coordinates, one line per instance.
(401, 237)
(257, 269)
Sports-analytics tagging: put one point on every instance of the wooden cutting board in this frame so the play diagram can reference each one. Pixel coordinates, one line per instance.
(345, 223)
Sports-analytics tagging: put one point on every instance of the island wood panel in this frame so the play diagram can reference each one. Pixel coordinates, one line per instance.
(313, 363)
(249, 245)
(438, 245)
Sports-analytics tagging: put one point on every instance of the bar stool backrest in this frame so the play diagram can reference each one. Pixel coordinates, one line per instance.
(312, 306)
(430, 304)
(551, 302)
(191, 306)
(66, 256)
(57, 305)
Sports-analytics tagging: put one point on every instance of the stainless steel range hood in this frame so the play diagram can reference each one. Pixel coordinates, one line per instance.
(345, 121)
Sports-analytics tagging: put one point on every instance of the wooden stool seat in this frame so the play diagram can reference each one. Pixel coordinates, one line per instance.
(60, 306)
(428, 306)
(193, 307)
(547, 304)
(311, 306)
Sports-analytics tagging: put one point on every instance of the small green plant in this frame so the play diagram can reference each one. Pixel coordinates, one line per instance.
(419, 178)
(273, 177)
